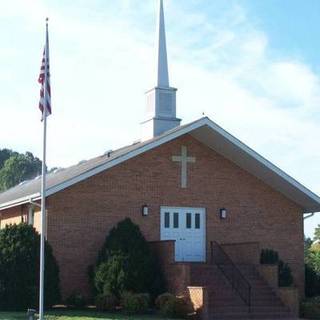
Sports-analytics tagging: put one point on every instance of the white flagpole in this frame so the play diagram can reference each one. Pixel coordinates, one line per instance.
(43, 182)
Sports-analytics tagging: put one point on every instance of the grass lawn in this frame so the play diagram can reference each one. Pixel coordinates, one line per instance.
(78, 315)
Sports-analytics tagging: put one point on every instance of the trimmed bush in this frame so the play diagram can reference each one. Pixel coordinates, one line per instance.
(269, 256)
(172, 306)
(19, 269)
(76, 300)
(162, 299)
(135, 303)
(285, 275)
(126, 263)
(106, 302)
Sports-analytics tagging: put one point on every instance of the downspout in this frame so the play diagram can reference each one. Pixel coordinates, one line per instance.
(34, 203)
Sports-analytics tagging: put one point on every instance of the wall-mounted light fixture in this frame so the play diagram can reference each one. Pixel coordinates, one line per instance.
(145, 210)
(223, 213)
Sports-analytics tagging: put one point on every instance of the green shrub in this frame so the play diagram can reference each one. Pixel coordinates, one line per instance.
(135, 303)
(126, 263)
(285, 275)
(269, 256)
(312, 282)
(162, 299)
(106, 302)
(19, 269)
(172, 306)
(76, 300)
(310, 308)
(111, 276)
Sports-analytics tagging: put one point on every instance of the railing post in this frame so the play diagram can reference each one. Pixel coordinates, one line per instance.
(249, 300)
(232, 277)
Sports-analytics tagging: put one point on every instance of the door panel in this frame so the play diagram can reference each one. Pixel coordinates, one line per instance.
(187, 227)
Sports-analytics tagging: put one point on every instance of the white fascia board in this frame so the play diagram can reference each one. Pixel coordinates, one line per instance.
(23, 200)
(127, 156)
(262, 160)
(154, 144)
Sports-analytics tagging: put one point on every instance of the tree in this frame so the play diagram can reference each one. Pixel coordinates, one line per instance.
(5, 154)
(312, 271)
(317, 233)
(307, 245)
(19, 269)
(18, 168)
(126, 263)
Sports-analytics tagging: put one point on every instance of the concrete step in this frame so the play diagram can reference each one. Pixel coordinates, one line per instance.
(225, 302)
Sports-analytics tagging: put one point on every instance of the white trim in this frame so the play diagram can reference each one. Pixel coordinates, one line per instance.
(164, 139)
(19, 201)
(186, 208)
(262, 160)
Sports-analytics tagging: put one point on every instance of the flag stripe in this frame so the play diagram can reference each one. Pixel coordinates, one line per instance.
(44, 80)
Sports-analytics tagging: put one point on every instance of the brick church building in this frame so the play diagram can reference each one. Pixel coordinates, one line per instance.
(199, 196)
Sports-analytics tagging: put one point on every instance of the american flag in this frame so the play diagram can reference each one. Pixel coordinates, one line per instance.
(44, 80)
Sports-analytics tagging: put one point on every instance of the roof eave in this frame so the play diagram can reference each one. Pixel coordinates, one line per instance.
(20, 201)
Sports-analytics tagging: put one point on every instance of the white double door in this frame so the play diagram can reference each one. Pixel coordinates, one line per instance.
(187, 226)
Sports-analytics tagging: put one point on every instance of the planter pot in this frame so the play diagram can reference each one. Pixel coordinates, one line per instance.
(290, 297)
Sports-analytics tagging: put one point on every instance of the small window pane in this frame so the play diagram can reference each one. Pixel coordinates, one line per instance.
(197, 221)
(167, 220)
(188, 221)
(176, 220)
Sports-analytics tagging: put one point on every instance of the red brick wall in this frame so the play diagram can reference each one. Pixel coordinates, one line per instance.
(244, 252)
(14, 215)
(81, 216)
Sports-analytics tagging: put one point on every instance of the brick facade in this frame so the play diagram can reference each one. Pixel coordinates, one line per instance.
(81, 216)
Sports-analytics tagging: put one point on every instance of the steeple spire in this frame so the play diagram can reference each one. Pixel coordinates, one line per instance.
(161, 100)
(162, 60)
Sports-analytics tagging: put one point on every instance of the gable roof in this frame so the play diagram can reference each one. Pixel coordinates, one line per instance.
(204, 130)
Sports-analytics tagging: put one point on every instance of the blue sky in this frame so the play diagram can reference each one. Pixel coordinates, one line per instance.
(252, 66)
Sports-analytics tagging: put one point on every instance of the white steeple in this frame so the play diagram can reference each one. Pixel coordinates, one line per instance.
(162, 60)
(161, 100)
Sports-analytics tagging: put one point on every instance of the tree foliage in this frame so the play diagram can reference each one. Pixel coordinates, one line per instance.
(312, 261)
(19, 269)
(16, 167)
(317, 233)
(126, 263)
(307, 245)
(5, 154)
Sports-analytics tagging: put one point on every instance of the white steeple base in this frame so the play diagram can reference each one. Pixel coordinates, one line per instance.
(161, 112)
(156, 126)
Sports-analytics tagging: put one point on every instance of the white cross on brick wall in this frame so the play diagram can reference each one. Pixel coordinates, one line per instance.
(184, 159)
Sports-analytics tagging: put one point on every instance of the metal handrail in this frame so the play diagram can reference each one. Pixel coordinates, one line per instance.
(232, 273)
